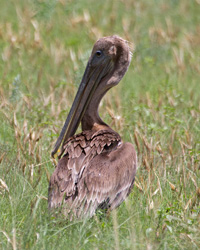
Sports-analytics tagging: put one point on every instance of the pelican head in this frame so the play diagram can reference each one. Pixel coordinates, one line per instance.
(109, 61)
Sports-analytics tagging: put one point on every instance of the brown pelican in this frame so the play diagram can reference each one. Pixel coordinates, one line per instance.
(96, 170)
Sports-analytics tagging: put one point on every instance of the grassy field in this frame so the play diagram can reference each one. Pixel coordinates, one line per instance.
(44, 47)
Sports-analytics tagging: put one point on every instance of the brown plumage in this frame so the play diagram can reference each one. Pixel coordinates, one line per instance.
(96, 169)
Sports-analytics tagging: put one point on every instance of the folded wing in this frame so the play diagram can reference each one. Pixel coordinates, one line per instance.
(96, 171)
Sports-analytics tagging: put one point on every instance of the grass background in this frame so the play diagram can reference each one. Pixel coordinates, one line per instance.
(44, 47)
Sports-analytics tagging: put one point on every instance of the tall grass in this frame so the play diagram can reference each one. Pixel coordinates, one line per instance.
(44, 48)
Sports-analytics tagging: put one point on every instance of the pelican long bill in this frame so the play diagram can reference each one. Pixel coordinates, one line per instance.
(87, 87)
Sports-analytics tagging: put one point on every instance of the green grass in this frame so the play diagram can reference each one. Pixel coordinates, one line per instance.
(44, 48)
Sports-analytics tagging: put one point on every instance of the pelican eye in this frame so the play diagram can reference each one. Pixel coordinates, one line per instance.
(98, 53)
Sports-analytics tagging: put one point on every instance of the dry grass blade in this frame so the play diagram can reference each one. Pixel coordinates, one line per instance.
(147, 145)
(2, 156)
(183, 164)
(159, 186)
(3, 185)
(188, 204)
(138, 186)
(137, 141)
(13, 243)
